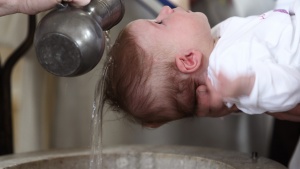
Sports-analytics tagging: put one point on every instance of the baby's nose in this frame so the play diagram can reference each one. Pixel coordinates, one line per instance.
(165, 10)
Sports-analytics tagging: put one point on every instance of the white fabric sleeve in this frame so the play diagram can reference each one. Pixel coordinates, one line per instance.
(276, 89)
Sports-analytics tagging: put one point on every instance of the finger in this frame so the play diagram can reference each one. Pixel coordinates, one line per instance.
(285, 116)
(225, 85)
(35, 6)
(202, 101)
(79, 3)
(217, 107)
(222, 80)
(225, 111)
(215, 97)
(291, 115)
(204, 108)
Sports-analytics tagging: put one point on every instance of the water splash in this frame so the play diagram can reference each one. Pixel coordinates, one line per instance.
(108, 40)
(96, 139)
(97, 117)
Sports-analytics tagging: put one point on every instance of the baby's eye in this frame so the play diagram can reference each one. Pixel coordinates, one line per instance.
(159, 22)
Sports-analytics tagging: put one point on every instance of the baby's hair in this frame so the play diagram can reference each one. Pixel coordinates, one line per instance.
(129, 85)
(127, 76)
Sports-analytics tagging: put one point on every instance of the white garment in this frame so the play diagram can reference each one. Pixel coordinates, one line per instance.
(294, 162)
(267, 46)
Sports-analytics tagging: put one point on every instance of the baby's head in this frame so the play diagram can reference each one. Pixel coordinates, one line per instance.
(155, 64)
(147, 90)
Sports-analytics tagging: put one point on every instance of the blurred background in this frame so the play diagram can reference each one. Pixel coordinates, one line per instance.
(53, 112)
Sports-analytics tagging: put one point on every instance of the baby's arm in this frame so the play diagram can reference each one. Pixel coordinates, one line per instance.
(233, 88)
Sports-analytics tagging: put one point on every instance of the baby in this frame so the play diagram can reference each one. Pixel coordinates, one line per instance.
(156, 66)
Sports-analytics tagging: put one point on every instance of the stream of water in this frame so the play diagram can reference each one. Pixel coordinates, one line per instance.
(97, 117)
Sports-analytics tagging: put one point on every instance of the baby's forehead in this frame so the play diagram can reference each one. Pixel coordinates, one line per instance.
(143, 33)
(136, 25)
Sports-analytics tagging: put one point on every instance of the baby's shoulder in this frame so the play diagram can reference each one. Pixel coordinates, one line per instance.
(233, 25)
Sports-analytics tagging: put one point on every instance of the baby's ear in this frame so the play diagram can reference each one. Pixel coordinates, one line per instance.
(189, 62)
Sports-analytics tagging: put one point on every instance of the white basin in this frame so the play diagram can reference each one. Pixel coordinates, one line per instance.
(140, 157)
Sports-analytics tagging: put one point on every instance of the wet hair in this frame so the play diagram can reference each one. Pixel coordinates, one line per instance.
(130, 87)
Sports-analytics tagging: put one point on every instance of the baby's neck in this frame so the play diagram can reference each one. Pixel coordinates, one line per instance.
(202, 74)
(211, 47)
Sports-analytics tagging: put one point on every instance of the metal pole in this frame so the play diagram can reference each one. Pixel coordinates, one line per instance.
(6, 129)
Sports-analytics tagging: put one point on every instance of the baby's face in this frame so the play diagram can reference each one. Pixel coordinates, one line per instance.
(174, 30)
